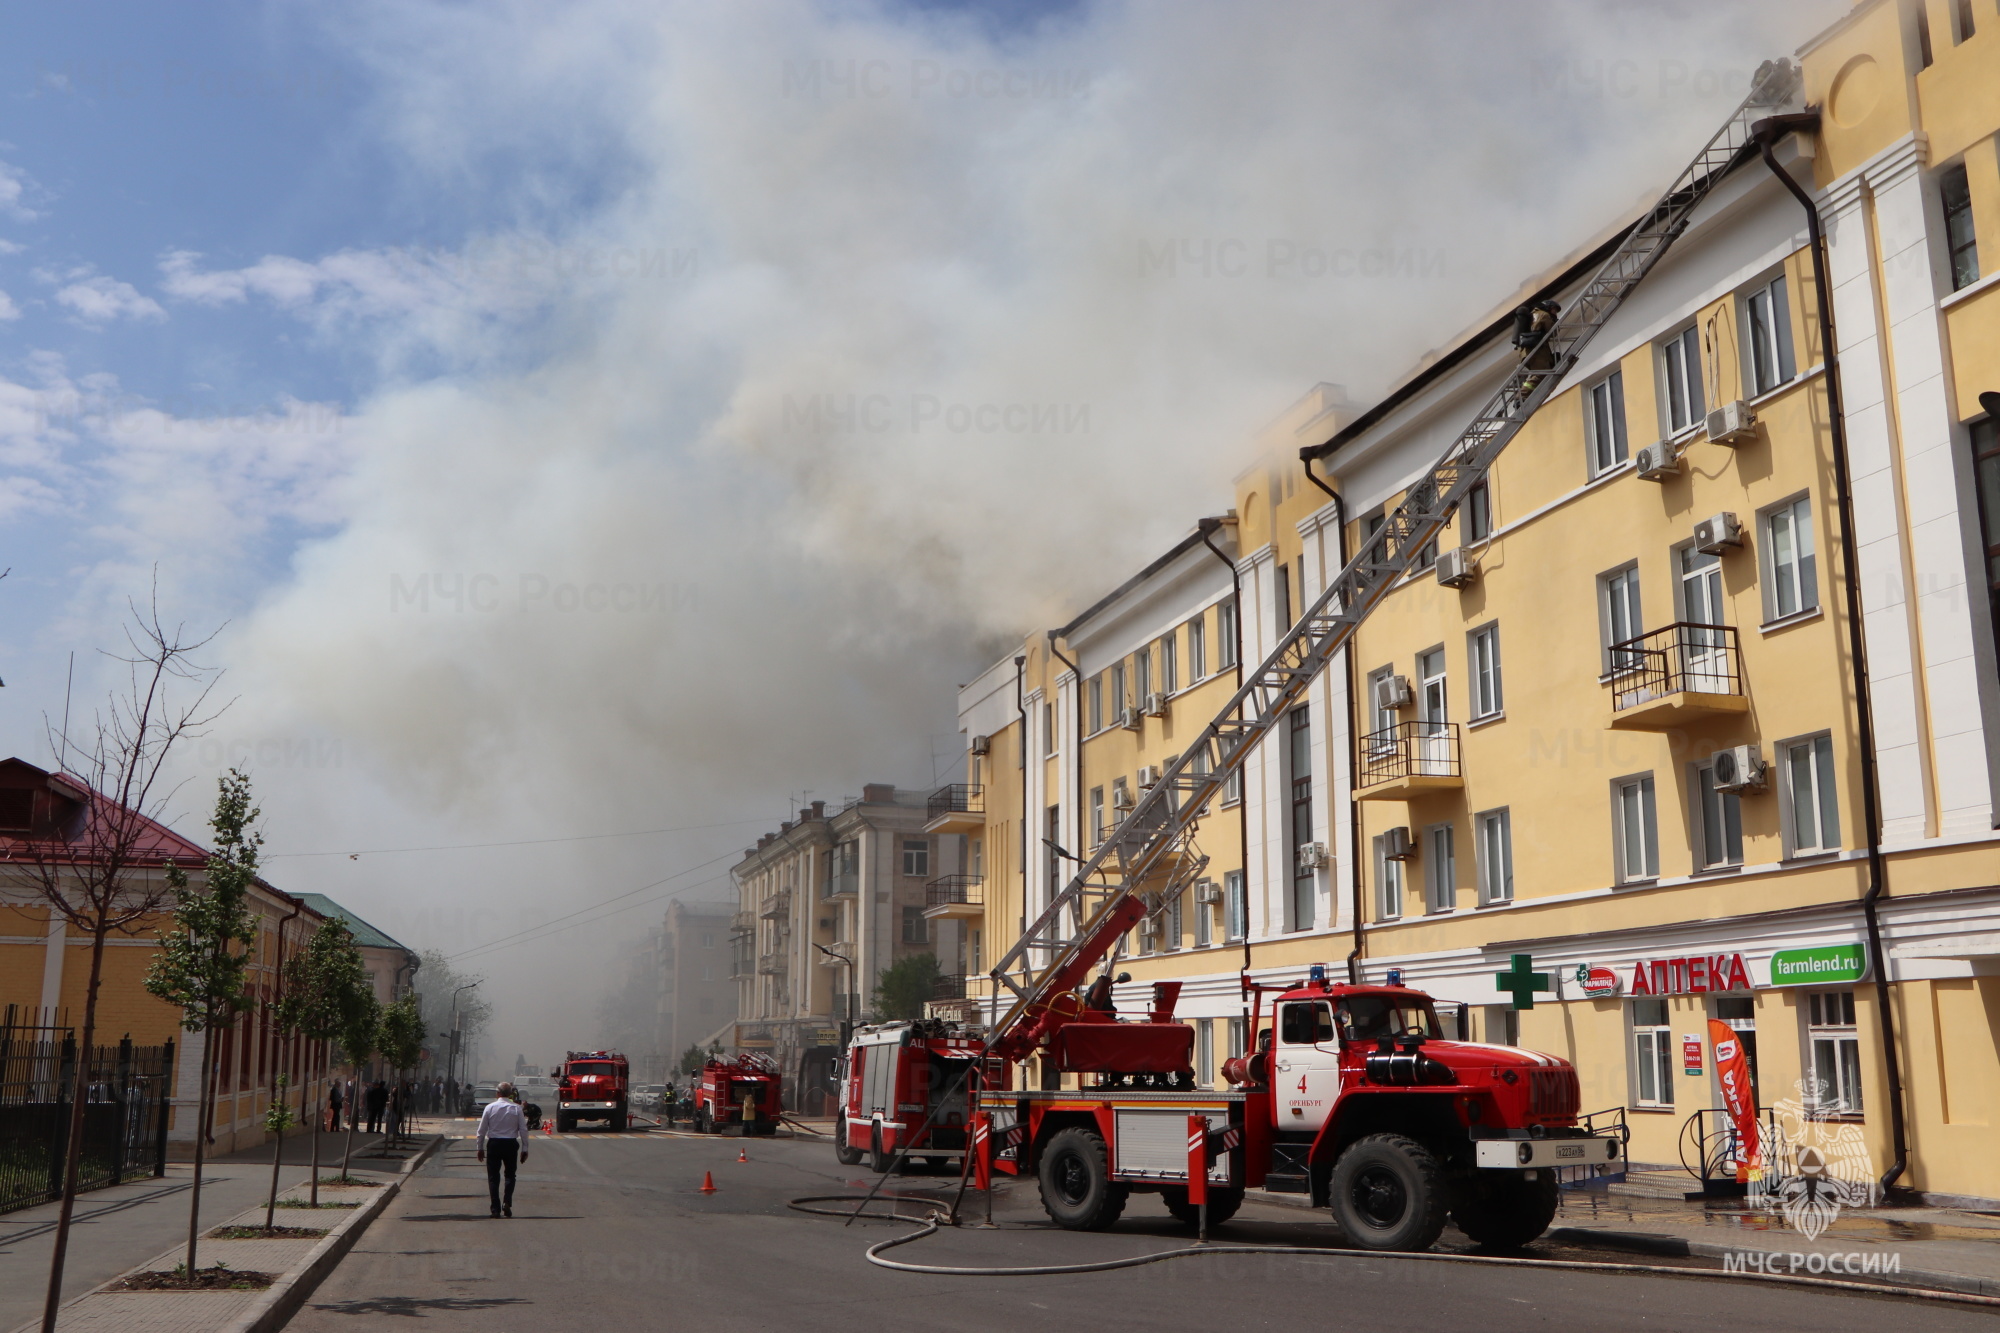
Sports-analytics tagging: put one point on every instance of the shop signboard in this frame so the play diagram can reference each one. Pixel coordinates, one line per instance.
(1695, 974)
(1690, 1053)
(1826, 965)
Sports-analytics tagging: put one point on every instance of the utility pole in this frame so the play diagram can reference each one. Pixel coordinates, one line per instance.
(451, 1060)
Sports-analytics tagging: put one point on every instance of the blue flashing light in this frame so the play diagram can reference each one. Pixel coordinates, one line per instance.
(1395, 976)
(1317, 977)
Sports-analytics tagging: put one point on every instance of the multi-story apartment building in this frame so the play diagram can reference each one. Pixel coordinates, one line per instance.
(1616, 723)
(696, 991)
(824, 905)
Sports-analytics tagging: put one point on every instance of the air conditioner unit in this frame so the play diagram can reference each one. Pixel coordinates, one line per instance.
(1717, 533)
(1313, 855)
(982, 745)
(1128, 718)
(1740, 768)
(1731, 423)
(1148, 775)
(1455, 568)
(1396, 844)
(1156, 705)
(1207, 892)
(1149, 928)
(1121, 799)
(1392, 692)
(1657, 462)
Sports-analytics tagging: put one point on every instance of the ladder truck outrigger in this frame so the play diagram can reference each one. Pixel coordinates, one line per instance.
(1351, 1094)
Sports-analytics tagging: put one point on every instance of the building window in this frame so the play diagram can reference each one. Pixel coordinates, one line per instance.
(916, 857)
(1680, 359)
(1496, 856)
(1476, 515)
(1962, 11)
(1718, 823)
(1096, 693)
(1792, 568)
(974, 950)
(1225, 634)
(916, 930)
(1239, 1037)
(1170, 665)
(1960, 243)
(1635, 829)
(1048, 728)
(1204, 928)
(1440, 869)
(708, 940)
(1986, 471)
(1605, 422)
(1836, 1053)
(1812, 809)
(1197, 637)
(1281, 588)
(1701, 588)
(976, 847)
(1305, 880)
(1174, 921)
(1433, 702)
(1120, 700)
(1618, 610)
(1142, 675)
(1388, 884)
(1096, 816)
(1232, 787)
(1204, 1052)
(1652, 1053)
(1769, 333)
(1923, 38)
(1235, 908)
(1483, 651)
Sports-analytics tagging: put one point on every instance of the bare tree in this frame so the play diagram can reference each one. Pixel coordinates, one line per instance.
(100, 867)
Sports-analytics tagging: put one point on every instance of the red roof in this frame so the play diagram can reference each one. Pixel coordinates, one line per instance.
(153, 842)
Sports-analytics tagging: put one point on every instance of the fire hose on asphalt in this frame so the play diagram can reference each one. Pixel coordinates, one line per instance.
(940, 1216)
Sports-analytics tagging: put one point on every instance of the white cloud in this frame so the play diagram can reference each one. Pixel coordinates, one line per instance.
(98, 299)
(8, 310)
(16, 187)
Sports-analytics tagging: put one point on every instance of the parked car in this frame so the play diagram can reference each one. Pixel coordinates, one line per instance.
(483, 1094)
(649, 1095)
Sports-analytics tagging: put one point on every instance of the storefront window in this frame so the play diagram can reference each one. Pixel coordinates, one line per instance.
(1836, 1053)
(1652, 1053)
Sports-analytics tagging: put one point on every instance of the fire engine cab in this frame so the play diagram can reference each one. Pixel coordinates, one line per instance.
(592, 1085)
(739, 1095)
(908, 1086)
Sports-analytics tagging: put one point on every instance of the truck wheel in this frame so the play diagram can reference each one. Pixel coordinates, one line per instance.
(1504, 1211)
(1388, 1194)
(1222, 1205)
(878, 1157)
(618, 1122)
(842, 1152)
(563, 1123)
(1077, 1189)
(701, 1120)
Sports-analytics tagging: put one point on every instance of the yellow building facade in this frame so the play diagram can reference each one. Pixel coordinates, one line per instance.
(1615, 726)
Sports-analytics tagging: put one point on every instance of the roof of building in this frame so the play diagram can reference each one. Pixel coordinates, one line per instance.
(1202, 528)
(153, 843)
(365, 935)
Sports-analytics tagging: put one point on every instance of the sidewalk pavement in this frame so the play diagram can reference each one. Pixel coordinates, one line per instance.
(117, 1228)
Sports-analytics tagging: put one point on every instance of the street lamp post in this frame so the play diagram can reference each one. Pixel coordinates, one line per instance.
(451, 1061)
(846, 1018)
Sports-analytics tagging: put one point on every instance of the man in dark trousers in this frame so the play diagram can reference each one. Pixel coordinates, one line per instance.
(503, 1145)
(378, 1102)
(333, 1101)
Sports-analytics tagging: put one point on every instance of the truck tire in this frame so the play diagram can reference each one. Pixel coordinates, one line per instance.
(1389, 1194)
(842, 1153)
(1503, 1211)
(1077, 1189)
(1222, 1205)
(879, 1157)
(618, 1121)
(564, 1124)
(701, 1120)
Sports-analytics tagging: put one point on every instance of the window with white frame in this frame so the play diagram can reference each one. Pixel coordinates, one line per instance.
(1961, 244)
(1225, 634)
(1680, 367)
(1618, 612)
(1239, 1037)
(1235, 908)
(1791, 566)
(916, 857)
(1120, 699)
(1204, 1052)
(1483, 653)
(1232, 787)
(1836, 1053)
(1097, 829)
(1142, 675)
(1048, 729)
(1652, 1054)
(1173, 921)
(1718, 822)
(1495, 830)
(1440, 869)
(1197, 639)
(1204, 928)
(1169, 663)
(1812, 809)
(1096, 693)
(1767, 328)
(1475, 515)
(1634, 829)
(1380, 716)
(1604, 422)
(1388, 883)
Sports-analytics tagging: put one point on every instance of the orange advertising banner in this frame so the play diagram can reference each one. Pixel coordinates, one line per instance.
(1732, 1069)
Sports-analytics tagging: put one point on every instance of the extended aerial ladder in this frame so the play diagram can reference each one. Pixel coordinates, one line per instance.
(1150, 857)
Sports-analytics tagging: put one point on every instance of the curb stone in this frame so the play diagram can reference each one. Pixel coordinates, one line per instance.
(1648, 1242)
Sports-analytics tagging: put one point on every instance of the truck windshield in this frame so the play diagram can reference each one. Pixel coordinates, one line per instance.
(598, 1070)
(1371, 1017)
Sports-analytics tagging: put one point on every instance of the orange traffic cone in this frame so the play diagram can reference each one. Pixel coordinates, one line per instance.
(708, 1182)
(742, 1154)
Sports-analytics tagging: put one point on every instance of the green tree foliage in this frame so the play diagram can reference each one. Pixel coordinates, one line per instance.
(441, 982)
(402, 1032)
(905, 986)
(326, 985)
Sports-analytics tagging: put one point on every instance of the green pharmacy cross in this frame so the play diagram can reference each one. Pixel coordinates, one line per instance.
(1522, 982)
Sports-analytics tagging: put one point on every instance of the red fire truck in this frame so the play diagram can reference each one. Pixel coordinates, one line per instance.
(593, 1085)
(906, 1086)
(738, 1095)
(1351, 1096)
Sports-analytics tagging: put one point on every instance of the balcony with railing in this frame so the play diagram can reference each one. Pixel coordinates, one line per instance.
(1402, 762)
(771, 964)
(959, 807)
(777, 906)
(949, 986)
(954, 897)
(1678, 674)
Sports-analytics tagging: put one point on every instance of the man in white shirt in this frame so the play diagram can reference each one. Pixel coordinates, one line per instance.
(503, 1145)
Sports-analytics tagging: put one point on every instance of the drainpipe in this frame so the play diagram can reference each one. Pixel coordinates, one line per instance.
(1208, 527)
(1766, 133)
(278, 984)
(1021, 707)
(1353, 738)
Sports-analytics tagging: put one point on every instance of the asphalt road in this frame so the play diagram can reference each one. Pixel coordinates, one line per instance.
(612, 1230)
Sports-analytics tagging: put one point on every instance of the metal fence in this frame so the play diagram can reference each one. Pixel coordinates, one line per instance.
(1681, 658)
(124, 1115)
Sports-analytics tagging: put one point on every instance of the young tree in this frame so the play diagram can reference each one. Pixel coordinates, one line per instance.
(200, 968)
(360, 1027)
(402, 1041)
(101, 873)
(322, 984)
(905, 986)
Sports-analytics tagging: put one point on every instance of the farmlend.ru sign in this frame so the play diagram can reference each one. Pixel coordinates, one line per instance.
(1828, 964)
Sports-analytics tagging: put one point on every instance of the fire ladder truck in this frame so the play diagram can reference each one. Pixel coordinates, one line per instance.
(1384, 1121)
